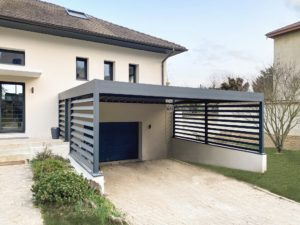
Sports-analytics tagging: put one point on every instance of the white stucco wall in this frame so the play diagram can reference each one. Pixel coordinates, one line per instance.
(200, 153)
(55, 57)
(155, 141)
(287, 51)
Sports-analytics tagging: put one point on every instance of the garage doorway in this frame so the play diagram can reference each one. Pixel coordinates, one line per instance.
(119, 141)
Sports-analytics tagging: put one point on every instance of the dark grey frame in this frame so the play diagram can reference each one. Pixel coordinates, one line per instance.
(108, 91)
(14, 51)
(24, 100)
(111, 64)
(85, 70)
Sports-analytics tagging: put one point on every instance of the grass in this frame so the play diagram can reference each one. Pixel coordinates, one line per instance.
(80, 213)
(282, 176)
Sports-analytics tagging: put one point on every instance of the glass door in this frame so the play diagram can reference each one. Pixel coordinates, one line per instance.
(12, 104)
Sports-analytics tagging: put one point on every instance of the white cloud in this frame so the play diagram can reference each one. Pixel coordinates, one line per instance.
(293, 4)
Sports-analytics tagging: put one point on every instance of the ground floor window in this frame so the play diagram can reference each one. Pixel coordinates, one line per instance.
(12, 105)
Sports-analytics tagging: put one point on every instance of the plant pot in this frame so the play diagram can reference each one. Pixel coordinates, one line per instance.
(55, 132)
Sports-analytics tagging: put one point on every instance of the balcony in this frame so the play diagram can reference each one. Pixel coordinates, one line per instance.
(19, 71)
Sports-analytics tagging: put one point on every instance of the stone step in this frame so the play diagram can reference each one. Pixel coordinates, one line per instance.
(26, 149)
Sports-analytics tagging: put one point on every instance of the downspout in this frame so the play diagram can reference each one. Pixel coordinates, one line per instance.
(163, 66)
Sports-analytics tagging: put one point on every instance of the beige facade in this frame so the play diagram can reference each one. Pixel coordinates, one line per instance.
(50, 68)
(287, 52)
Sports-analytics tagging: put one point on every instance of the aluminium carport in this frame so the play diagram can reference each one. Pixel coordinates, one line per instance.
(227, 119)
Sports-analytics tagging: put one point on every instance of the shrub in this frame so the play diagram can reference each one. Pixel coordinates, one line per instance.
(44, 168)
(62, 187)
(46, 154)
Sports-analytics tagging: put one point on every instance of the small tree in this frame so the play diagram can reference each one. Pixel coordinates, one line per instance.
(235, 84)
(282, 105)
(264, 82)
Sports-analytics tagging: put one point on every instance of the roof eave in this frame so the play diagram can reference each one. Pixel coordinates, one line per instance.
(87, 36)
(276, 33)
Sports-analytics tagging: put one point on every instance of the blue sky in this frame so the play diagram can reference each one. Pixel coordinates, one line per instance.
(224, 37)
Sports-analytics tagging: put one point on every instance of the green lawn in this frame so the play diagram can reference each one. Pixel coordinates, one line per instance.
(282, 176)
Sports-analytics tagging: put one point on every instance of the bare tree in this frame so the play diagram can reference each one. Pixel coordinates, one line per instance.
(282, 106)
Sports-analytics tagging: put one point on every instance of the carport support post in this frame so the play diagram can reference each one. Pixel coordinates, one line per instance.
(206, 123)
(261, 127)
(96, 121)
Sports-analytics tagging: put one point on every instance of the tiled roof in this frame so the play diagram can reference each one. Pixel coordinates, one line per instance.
(54, 16)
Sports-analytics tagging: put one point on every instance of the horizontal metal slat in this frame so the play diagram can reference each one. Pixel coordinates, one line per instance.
(188, 110)
(233, 131)
(82, 137)
(82, 145)
(233, 141)
(188, 126)
(86, 154)
(233, 115)
(184, 129)
(236, 106)
(82, 161)
(83, 108)
(189, 134)
(80, 129)
(84, 123)
(234, 136)
(189, 122)
(233, 110)
(232, 126)
(234, 121)
(82, 100)
(83, 115)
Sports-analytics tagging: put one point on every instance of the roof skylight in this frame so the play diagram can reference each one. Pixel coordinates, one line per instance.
(77, 14)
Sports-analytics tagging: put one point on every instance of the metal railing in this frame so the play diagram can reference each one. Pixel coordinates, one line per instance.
(234, 125)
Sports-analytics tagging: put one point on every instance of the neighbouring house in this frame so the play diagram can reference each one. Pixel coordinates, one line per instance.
(287, 51)
(104, 86)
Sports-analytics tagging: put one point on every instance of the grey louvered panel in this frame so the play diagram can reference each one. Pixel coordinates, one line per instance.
(82, 137)
(80, 129)
(84, 123)
(83, 115)
(82, 108)
(83, 152)
(82, 145)
(81, 160)
(83, 100)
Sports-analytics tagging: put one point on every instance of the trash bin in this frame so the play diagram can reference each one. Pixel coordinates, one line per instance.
(55, 132)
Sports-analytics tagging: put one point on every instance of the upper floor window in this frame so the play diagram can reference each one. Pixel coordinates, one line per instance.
(132, 73)
(108, 70)
(81, 69)
(12, 57)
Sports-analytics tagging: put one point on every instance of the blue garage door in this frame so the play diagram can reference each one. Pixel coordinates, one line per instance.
(118, 141)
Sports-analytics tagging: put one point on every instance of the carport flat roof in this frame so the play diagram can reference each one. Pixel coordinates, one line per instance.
(156, 93)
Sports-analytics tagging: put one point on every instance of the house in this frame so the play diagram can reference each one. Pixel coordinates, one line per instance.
(287, 52)
(104, 86)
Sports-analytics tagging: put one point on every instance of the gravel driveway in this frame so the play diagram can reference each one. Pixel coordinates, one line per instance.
(16, 207)
(168, 192)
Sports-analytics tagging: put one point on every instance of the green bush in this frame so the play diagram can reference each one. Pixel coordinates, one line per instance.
(62, 187)
(46, 167)
(47, 154)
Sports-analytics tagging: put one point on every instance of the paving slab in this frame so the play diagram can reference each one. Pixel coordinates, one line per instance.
(16, 206)
(170, 192)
